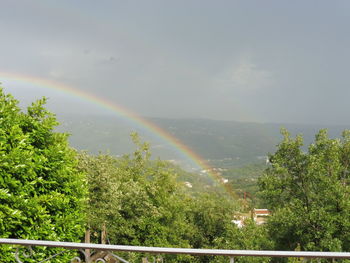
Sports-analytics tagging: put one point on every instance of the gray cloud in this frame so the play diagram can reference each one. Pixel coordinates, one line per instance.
(279, 61)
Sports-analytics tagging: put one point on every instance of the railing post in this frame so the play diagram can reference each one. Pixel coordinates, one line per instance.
(232, 260)
(103, 234)
(87, 240)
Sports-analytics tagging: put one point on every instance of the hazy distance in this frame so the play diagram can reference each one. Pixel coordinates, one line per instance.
(257, 61)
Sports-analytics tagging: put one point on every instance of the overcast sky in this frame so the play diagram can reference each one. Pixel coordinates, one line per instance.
(265, 61)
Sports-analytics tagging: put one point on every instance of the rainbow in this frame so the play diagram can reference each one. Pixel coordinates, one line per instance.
(123, 112)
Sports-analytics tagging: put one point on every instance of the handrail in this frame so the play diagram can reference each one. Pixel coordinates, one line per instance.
(167, 250)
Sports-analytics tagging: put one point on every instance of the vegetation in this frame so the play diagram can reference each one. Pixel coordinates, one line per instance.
(49, 191)
(141, 202)
(41, 191)
(141, 197)
(308, 193)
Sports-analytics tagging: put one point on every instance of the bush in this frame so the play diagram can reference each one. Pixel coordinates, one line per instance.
(41, 192)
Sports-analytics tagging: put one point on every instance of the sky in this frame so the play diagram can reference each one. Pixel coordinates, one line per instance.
(257, 61)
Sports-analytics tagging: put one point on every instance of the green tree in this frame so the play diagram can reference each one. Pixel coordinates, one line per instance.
(308, 193)
(41, 192)
(138, 200)
(249, 237)
(211, 214)
(141, 202)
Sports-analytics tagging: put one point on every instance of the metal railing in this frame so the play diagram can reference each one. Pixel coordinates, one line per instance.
(111, 249)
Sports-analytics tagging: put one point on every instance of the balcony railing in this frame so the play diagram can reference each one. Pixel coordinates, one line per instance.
(110, 251)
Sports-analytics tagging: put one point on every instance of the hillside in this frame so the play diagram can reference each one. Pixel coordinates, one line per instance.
(222, 143)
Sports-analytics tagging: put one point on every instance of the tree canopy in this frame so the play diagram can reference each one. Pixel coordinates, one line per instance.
(141, 202)
(41, 191)
(308, 193)
(49, 191)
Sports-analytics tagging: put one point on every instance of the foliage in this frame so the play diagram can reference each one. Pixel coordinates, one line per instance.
(308, 193)
(211, 214)
(141, 202)
(250, 237)
(41, 192)
(138, 200)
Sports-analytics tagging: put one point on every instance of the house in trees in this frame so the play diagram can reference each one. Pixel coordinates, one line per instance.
(260, 215)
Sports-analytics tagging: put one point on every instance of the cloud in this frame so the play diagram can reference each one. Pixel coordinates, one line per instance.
(244, 77)
(56, 73)
(81, 64)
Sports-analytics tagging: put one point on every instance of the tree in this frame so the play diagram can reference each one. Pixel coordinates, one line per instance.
(138, 200)
(308, 193)
(41, 192)
(211, 214)
(249, 237)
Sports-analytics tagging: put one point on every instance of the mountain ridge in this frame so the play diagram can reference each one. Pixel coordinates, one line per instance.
(240, 142)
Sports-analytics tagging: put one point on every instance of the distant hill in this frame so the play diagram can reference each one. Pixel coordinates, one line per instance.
(223, 143)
